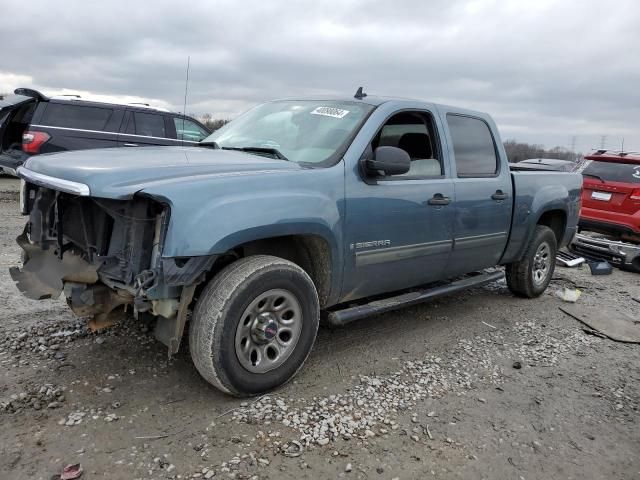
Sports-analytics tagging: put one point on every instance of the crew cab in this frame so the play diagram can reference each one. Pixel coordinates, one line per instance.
(33, 124)
(297, 211)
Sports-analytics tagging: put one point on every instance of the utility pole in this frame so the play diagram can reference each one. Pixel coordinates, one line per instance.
(573, 147)
(603, 140)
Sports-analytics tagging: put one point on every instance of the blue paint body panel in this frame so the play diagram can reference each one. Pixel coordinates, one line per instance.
(383, 234)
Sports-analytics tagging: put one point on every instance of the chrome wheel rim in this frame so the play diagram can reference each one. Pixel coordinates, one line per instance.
(268, 331)
(541, 263)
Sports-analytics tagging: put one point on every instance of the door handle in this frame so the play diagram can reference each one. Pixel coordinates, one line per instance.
(130, 144)
(439, 199)
(499, 195)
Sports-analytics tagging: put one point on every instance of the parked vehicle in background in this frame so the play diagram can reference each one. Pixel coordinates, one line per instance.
(611, 208)
(349, 207)
(547, 164)
(32, 124)
(597, 246)
(611, 194)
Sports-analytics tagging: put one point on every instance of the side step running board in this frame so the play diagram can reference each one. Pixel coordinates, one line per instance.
(342, 317)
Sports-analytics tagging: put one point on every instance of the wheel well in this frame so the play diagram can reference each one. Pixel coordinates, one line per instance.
(310, 252)
(556, 221)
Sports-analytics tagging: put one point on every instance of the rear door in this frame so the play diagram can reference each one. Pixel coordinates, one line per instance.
(142, 128)
(483, 192)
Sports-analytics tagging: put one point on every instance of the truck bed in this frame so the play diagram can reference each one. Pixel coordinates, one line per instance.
(532, 190)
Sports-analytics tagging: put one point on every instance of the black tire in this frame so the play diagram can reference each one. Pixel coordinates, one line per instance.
(222, 306)
(520, 275)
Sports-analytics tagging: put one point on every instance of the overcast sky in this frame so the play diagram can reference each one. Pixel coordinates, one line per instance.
(548, 71)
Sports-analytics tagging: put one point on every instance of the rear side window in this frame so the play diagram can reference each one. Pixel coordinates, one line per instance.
(147, 124)
(473, 146)
(612, 171)
(76, 116)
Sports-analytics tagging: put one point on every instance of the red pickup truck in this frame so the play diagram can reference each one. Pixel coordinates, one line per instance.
(611, 206)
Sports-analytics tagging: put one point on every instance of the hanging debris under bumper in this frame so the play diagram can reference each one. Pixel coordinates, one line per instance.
(44, 273)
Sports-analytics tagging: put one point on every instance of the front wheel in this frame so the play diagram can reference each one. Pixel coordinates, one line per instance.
(254, 325)
(530, 276)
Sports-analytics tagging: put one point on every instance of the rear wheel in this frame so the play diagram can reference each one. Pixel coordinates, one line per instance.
(254, 325)
(530, 276)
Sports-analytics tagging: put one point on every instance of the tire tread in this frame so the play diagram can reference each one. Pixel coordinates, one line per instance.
(204, 334)
(518, 274)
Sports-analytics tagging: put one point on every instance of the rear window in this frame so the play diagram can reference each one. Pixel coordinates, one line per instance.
(76, 116)
(473, 146)
(612, 171)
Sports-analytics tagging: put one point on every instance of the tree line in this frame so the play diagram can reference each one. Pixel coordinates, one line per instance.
(211, 123)
(518, 151)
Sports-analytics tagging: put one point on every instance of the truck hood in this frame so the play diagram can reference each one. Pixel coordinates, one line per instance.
(119, 173)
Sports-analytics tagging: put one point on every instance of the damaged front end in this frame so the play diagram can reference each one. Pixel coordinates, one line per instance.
(105, 256)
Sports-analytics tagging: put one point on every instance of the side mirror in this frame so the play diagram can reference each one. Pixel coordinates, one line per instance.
(390, 160)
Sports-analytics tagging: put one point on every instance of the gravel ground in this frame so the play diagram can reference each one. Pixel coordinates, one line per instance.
(481, 385)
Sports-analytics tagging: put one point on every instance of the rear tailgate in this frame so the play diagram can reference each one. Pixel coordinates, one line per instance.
(8, 105)
(611, 186)
(11, 102)
(10, 133)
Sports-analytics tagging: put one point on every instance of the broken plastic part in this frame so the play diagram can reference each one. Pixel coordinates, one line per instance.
(43, 273)
(570, 295)
(166, 307)
(71, 472)
(97, 300)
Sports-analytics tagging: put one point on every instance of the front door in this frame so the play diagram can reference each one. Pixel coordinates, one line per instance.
(399, 228)
(483, 196)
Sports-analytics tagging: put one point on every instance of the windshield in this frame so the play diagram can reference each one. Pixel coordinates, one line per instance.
(300, 131)
(613, 171)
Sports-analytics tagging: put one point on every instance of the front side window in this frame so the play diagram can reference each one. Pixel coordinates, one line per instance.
(76, 116)
(305, 131)
(473, 146)
(188, 130)
(413, 132)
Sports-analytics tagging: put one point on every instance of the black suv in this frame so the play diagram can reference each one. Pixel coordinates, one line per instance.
(31, 123)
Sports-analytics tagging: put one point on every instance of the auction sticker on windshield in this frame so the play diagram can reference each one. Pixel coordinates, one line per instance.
(330, 112)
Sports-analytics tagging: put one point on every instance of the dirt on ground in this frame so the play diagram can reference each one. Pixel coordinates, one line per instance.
(479, 385)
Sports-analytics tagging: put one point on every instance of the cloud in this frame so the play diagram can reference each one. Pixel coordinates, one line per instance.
(9, 81)
(546, 71)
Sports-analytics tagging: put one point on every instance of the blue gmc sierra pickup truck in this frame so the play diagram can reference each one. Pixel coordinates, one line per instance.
(297, 211)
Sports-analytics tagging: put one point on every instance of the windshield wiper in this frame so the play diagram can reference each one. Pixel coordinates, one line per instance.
(594, 176)
(272, 151)
(211, 144)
